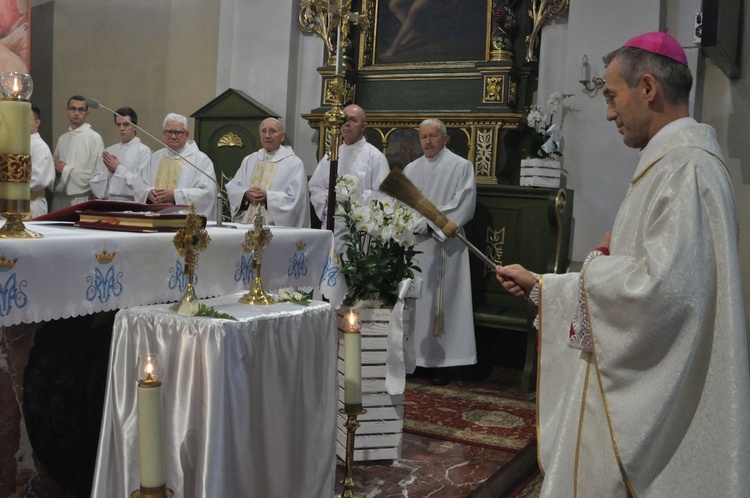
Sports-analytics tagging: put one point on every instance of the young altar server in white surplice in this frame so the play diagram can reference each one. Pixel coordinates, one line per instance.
(272, 177)
(169, 179)
(76, 154)
(42, 167)
(644, 388)
(117, 174)
(444, 324)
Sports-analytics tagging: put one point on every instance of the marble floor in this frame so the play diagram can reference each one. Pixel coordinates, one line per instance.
(435, 468)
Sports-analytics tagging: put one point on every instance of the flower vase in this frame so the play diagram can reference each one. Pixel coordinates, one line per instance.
(380, 432)
(541, 172)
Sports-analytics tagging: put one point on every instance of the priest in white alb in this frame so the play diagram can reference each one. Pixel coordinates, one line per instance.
(275, 178)
(180, 174)
(117, 174)
(356, 157)
(644, 385)
(444, 324)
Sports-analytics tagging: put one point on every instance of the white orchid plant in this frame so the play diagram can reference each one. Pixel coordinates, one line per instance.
(379, 242)
(547, 139)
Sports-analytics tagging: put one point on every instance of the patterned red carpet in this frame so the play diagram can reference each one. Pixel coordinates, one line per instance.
(493, 413)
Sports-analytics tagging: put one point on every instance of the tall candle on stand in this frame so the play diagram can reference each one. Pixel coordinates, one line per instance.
(150, 427)
(352, 364)
(15, 142)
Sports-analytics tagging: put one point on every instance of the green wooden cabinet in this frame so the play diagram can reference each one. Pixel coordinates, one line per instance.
(525, 225)
(227, 130)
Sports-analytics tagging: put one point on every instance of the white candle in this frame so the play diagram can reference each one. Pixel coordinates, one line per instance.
(151, 431)
(15, 127)
(15, 138)
(352, 363)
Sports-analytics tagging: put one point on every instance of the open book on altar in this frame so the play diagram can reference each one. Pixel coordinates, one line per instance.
(123, 216)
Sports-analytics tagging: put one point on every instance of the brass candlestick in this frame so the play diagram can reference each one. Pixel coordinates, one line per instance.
(351, 413)
(256, 239)
(160, 492)
(190, 241)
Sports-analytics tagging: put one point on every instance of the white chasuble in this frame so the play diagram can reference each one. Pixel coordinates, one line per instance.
(444, 322)
(193, 182)
(282, 175)
(661, 406)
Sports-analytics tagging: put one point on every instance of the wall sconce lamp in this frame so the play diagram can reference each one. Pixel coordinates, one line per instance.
(590, 86)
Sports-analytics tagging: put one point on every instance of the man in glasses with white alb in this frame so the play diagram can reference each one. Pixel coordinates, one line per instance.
(180, 173)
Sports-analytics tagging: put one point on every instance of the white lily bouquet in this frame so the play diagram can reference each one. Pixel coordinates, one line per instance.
(379, 242)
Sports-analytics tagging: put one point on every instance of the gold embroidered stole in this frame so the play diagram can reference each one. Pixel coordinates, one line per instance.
(169, 173)
(264, 173)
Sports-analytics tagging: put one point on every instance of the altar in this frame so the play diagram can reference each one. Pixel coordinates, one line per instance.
(76, 272)
(249, 405)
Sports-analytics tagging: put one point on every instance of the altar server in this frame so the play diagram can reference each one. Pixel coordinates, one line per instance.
(42, 167)
(117, 174)
(272, 177)
(169, 179)
(644, 387)
(75, 157)
(444, 327)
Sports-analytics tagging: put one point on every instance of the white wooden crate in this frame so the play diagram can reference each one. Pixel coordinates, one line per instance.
(379, 435)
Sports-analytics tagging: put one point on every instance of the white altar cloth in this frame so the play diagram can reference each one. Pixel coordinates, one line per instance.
(76, 271)
(249, 406)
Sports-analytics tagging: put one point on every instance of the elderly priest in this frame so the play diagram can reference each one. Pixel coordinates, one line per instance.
(273, 177)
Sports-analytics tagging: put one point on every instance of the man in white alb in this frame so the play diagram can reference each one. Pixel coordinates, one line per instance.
(170, 179)
(42, 167)
(356, 157)
(76, 154)
(272, 177)
(117, 175)
(444, 324)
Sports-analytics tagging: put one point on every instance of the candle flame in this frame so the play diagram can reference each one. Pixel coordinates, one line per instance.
(16, 86)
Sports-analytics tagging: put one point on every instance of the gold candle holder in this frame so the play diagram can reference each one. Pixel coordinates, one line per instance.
(15, 154)
(190, 241)
(256, 239)
(160, 492)
(351, 427)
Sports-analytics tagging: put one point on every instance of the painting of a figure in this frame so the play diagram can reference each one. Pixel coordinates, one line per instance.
(417, 31)
(14, 36)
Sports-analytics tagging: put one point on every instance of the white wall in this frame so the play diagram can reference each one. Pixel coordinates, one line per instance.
(156, 57)
(263, 53)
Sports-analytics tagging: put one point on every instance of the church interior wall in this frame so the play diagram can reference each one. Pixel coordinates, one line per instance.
(156, 57)
(263, 52)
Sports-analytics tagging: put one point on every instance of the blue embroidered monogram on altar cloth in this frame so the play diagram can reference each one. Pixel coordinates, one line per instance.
(331, 272)
(104, 285)
(245, 272)
(10, 289)
(298, 263)
(178, 278)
